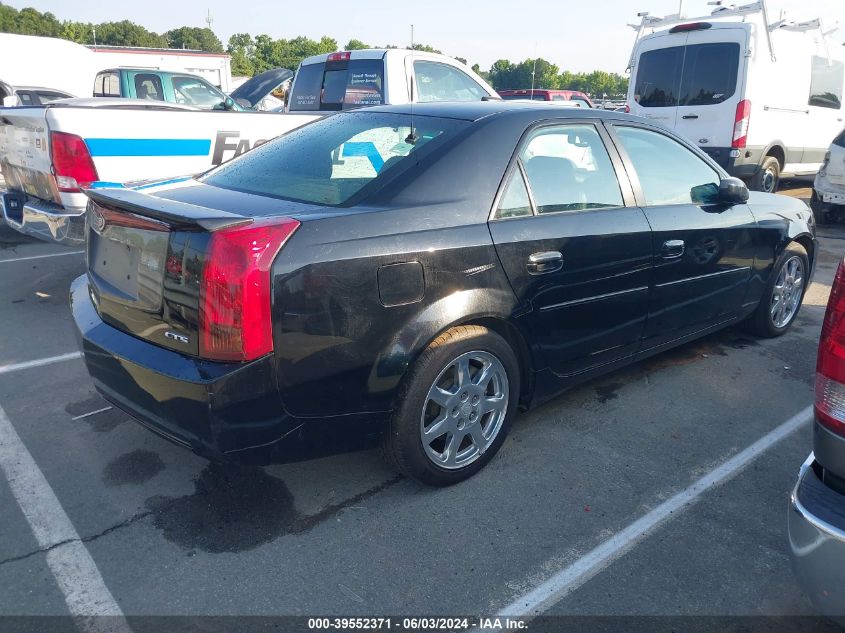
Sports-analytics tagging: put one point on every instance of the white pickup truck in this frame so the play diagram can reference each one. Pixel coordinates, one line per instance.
(49, 154)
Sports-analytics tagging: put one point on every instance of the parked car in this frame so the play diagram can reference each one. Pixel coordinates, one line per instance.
(163, 85)
(83, 143)
(417, 274)
(11, 97)
(817, 504)
(828, 198)
(762, 99)
(547, 95)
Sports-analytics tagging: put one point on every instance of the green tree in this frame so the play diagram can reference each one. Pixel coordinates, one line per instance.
(242, 49)
(126, 33)
(355, 45)
(195, 38)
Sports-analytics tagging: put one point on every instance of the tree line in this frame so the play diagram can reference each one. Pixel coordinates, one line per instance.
(251, 55)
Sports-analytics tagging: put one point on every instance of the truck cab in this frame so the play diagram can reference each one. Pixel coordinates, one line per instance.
(161, 85)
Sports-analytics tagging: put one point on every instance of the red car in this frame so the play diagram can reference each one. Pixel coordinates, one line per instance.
(547, 95)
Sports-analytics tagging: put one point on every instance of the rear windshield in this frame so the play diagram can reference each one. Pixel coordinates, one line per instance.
(700, 74)
(335, 159)
(338, 85)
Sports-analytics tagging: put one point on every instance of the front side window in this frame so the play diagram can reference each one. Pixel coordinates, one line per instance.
(826, 83)
(669, 173)
(194, 91)
(332, 160)
(441, 82)
(148, 87)
(569, 169)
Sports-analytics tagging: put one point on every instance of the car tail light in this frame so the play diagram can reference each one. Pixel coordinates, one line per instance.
(741, 122)
(72, 162)
(339, 57)
(235, 321)
(825, 162)
(627, 108)
(830, 367)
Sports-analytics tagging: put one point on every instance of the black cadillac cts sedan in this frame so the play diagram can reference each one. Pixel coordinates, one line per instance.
(415, 276)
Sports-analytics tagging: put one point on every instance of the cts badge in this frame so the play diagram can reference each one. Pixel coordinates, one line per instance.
(179, 338)
(98, 222)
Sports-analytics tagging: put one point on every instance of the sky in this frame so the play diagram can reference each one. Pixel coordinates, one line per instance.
(580, 35)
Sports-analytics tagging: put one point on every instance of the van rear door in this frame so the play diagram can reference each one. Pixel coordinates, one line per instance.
(711, 85)
(657, 77)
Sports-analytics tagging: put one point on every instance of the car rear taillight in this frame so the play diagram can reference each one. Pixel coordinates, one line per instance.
(235, 322)
(691, 26)
(830, 367)
(825, 163)
(72, 162)
(339, 57)
(741, 122)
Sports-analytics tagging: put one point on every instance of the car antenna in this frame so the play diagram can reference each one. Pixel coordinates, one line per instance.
(412, 137)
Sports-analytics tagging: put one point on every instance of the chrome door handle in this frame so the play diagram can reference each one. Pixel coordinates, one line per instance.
(545, 262)
(672, 249)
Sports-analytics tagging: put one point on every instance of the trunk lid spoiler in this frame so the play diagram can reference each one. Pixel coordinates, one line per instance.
(180, 215)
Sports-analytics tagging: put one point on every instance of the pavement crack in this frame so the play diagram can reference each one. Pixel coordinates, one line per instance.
(129, 521)
(42, 550)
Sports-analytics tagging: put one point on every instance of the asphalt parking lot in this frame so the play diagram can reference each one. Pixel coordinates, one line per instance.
(171, 534)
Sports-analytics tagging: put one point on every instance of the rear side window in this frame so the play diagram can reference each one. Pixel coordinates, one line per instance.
(333, 160)
(148, 86)
(839, 141)
(107, 85)
(339, 85)
(568, 169)
(669, 173)
(441, 82)
(700, 74)
(826, 83)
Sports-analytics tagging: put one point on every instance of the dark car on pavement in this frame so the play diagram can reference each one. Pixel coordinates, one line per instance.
(817, 504)
(416, 274)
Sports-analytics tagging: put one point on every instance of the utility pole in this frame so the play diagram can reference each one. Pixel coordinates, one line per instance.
(209, 20)
(412, 37)
(94, 30)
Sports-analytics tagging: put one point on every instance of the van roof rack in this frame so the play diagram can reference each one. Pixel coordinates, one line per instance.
(648, 21)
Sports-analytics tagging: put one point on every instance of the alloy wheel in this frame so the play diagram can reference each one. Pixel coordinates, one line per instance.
(787, 293)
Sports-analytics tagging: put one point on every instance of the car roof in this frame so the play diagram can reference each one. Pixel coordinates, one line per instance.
(476, 110)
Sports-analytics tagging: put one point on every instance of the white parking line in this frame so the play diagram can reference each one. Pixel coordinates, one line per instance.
(7, 369)
(23, 259)
(570, 578)
(89, 414)
(85, 592)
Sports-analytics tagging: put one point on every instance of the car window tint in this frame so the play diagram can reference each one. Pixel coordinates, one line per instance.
(658, 80)
(148, 87)
(580, 100)
(710, 72)
(515, 201)
(332, 160)
(826, 83)
(440, 82)
(669, 172)
(569, 169)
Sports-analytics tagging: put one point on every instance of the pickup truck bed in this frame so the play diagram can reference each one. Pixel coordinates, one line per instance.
(127, 140)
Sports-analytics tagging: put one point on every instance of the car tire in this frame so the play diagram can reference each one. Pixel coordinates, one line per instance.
(468, 435)
(821, 210)
(766, 321)
(767, 177)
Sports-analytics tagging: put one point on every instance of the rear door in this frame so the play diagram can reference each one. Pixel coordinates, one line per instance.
(703, 251)
(711, 86)
(575, 247)
(656, 80)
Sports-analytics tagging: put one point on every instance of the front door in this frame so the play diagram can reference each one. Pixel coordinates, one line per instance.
(703, 250)
(575, 247)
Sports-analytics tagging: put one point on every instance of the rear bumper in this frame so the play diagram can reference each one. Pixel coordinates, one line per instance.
(741, 163)
(829, 192)
(45, 220)
(223, 411)
(816, 524)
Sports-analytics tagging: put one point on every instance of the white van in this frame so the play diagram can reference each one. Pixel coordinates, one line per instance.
(763, 99)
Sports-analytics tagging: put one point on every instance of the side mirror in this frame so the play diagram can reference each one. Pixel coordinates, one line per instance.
(229, 103)
(732, 191)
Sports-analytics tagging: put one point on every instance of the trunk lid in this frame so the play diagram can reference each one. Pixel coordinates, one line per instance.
(145, 263)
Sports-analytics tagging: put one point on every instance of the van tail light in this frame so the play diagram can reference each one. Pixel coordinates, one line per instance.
(235, 323)
(343, 56)
(72, 162)
(741, 122)
(830, 366)
(692, 26)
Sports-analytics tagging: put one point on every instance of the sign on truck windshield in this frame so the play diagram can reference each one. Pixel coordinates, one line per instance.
(339, 85)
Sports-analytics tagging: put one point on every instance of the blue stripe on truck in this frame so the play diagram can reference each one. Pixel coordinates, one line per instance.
(148, 146)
